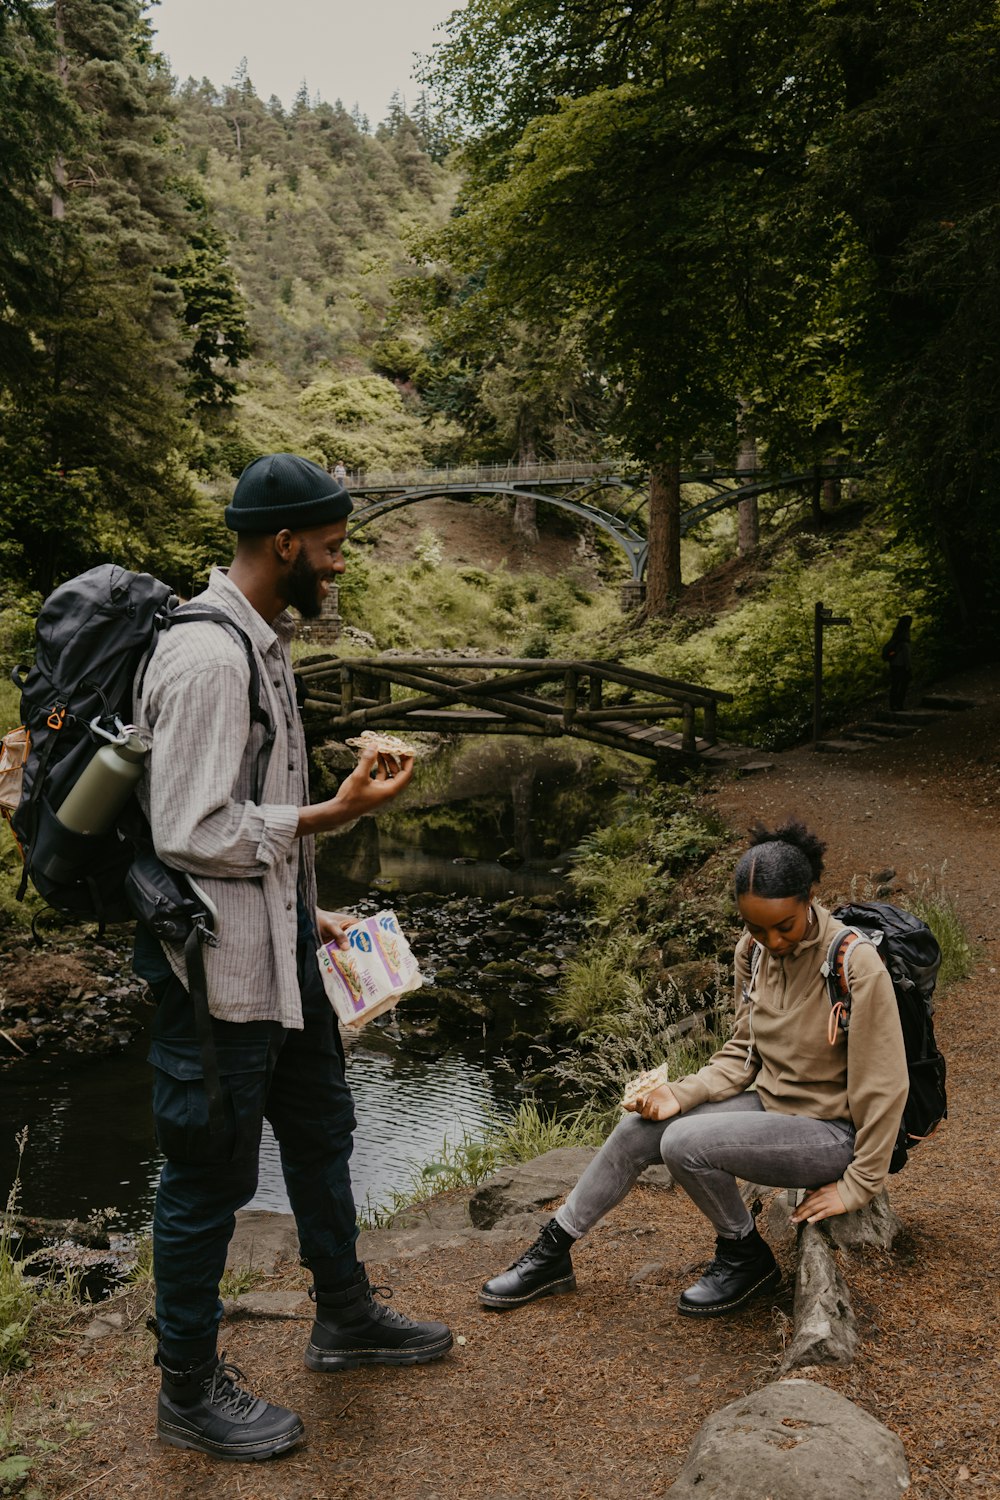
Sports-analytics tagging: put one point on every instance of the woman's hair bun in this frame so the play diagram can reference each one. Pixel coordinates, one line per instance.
(780, 862)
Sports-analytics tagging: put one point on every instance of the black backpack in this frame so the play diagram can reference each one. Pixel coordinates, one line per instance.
(912, 956)
(92, 634)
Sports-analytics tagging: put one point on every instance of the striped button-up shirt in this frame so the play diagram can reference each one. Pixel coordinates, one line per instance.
(200, 792)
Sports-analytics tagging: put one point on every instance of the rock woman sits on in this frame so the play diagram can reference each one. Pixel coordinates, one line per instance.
(788, 1101)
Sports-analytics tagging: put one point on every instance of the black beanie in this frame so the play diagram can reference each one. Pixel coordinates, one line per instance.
(281, 490)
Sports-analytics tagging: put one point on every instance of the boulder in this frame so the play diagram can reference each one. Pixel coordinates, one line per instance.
(791, 1439)
(693, 979)
(529, 1186)
(262, 1241)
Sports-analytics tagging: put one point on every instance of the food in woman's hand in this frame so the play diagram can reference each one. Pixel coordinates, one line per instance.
(646, 1082)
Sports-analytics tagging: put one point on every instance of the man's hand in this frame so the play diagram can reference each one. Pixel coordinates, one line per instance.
(375, 780)
(658, 1104)
(333, 926)
(821, 1203)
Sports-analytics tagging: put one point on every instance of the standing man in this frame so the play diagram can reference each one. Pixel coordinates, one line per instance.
(896, 652)
(232, 810)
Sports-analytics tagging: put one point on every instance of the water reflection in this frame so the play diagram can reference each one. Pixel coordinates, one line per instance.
(90, 1136)
(91, 1142)
(407, 1107)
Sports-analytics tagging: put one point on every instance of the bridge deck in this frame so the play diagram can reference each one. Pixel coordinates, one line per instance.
(488, 696)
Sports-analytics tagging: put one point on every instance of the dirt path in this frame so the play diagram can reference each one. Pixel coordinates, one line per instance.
(599, 1395)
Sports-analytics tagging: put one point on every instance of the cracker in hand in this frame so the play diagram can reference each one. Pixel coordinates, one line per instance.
(645, 1083)
(383, 744)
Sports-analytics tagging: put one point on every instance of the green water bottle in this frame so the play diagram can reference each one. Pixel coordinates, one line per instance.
(104, 786)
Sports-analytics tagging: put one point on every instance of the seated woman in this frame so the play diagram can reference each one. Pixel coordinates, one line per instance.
(786, 1102)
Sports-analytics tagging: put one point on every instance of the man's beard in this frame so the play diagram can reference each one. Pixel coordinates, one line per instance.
(302, 588)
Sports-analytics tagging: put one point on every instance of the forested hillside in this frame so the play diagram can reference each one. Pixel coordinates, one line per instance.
(320, 217)
(623, 230)
(188, 277)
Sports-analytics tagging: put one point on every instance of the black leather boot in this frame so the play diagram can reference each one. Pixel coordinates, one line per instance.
(352, 1329)
(740, 1270)
(544, 1270)
(203, 1408)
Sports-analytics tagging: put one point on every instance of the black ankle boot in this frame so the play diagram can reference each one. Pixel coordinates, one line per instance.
(203, 1408)
(544, 1270)
(352, 1329)
(740, 1270)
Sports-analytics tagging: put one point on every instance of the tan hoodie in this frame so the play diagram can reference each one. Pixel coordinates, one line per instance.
(781, 1045)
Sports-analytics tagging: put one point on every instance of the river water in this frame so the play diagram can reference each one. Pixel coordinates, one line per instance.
(90, 1146)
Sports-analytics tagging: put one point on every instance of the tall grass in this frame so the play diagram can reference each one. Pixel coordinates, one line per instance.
(939, 911)
(594, 986)
(18, 1296)
(645, 1035)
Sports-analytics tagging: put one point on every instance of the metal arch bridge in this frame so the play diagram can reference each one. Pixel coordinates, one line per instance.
(617, 503)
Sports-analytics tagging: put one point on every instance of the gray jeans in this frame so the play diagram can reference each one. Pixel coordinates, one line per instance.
(706, 1149)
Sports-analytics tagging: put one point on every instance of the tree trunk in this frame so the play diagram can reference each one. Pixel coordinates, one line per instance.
(816, 495)
(526, 519)
(59, 165)
(748, 522)
(526, 506)
(663, 569)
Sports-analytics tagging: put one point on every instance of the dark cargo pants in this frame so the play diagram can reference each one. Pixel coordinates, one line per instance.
(295, 1080)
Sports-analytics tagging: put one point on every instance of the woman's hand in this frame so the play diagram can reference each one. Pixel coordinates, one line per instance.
(821, 1203)
(333, 926)
(658, 1104)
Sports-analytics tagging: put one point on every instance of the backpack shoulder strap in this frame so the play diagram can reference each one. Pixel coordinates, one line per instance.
(197, 613)
(836, 971)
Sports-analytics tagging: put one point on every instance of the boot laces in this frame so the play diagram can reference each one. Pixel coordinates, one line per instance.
(543, 1244)
(221, 1390)
(387, 1315)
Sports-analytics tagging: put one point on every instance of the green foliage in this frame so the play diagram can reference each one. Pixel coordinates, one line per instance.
(20, 1293)
(17, 635)
(804, 236)
(623, 871)
(214, 309)
(317, 214)
(141, 1270)
(643, 1037)
(435, 605)
(532, 1130)
(597, 982)
(239, 1280)
(366, 422)
(761, 651)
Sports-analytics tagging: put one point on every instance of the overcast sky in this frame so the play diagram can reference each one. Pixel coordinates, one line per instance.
(358, 51)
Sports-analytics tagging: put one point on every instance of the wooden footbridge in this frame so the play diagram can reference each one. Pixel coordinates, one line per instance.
(601, 701)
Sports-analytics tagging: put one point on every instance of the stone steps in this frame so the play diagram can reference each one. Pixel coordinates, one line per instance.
(880, 729)
(916, 718)
(949, 704)
(886, 725)
(844, 746)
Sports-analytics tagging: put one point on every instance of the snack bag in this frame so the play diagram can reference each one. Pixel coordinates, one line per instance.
(369, 975)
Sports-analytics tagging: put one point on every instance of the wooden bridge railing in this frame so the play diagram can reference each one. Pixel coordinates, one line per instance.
(501, 696)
